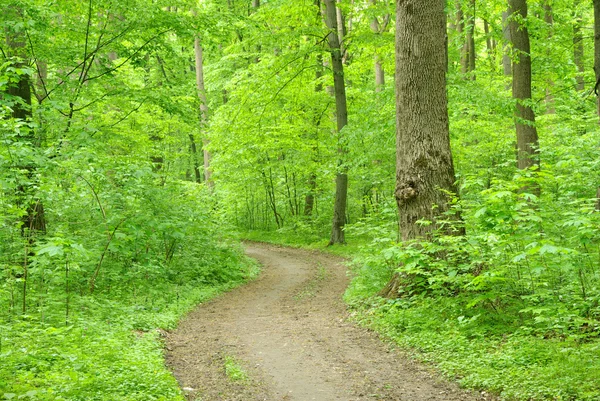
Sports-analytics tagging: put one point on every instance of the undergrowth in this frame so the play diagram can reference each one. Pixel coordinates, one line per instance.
(83, 307)
(111, 350)
(487, 353)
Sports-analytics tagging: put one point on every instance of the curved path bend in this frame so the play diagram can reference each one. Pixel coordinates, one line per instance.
(289, 331)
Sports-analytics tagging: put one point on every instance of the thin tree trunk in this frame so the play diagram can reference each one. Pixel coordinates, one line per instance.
(578, 52)
(34, 220)
(309, 200)
(424, 167)
(378, 29)
(199, 52)
(379, 75)
(464, 49)
(597, 68)
(527, 137)
(549, 20)
(466, 26)
(471, 40)
(194, 154)
(506, 61)
(255, 7)
(341, 180)
(488, 38)
(270, 189)
(341, 28)
(290, 197)
(489, 44)
(597, 50)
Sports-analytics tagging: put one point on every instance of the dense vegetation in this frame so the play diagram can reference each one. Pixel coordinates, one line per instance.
(129, 243)
(110, 227)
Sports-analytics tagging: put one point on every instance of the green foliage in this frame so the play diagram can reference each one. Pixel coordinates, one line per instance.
(515, 365)
(130, 243)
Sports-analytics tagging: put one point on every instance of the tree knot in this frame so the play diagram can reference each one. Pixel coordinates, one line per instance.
(406, 191)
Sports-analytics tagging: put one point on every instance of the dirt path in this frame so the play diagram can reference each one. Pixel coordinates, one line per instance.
(288, 330)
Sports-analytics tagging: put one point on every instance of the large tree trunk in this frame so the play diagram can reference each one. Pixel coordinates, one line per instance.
(341, 111)
(578, 53)
(527, 138)
(203, 109)
(424, 167)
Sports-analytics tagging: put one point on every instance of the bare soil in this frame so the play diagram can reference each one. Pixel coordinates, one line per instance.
(289, 332)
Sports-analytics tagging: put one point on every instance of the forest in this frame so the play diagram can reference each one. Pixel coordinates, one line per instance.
(449, 150)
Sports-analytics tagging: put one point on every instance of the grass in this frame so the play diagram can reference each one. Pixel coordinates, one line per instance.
(112, 349)
(309, 242)
(234, 370)
(516, 366)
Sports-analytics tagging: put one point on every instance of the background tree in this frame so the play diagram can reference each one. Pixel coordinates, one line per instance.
(341, 112)
(597, 49)
(527, 138)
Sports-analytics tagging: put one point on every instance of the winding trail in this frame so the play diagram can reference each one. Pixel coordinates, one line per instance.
(289, 331)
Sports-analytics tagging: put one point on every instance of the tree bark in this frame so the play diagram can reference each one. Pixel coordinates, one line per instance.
(597, 68)
(597, 50)
(199, 52)
(424, 167)
(527, 137)
(549, 20)
(471, 39)
(489, 44)
(379, 75)
(460, 28)
(506, 61)
(466, 25)
(34, 219)
(378, 29)
(194, 154)
(309, 200)
(341, 111)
